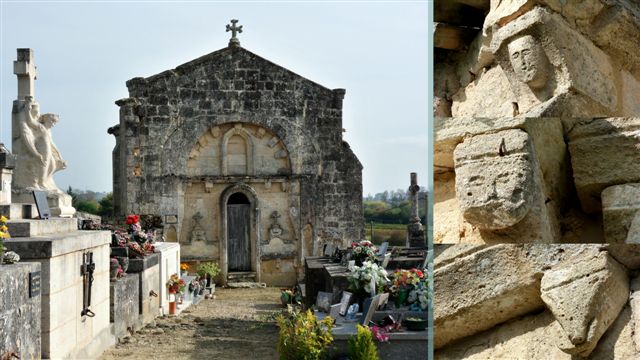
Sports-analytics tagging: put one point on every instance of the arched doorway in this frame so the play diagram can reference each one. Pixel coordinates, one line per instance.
(238, 225)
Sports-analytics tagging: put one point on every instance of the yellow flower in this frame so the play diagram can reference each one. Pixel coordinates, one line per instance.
(4, 228)
(3, 219)
(4, 235)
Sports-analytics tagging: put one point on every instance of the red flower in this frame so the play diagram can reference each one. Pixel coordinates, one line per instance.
(132, 219)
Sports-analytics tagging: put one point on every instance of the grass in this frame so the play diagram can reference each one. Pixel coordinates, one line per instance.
(395, 234)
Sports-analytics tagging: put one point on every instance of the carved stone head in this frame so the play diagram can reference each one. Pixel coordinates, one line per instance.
(48, 120)
(494, 179)
(529, 61)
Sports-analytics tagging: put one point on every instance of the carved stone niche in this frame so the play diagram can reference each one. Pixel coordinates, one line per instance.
(554, 70)
(499, 188)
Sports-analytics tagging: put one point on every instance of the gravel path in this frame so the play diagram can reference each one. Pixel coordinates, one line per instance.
(237, 324)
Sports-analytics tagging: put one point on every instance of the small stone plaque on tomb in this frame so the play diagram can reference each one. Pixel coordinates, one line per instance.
(40, 198)
(344, 302)
(34, 284)
(370, 307)
(323, 301)
(334, 311)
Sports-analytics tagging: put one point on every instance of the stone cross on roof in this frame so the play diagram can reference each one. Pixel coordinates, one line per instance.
(234, 29)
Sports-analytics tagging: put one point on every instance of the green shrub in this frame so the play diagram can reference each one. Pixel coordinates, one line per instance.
(303, 337)
(208, 268)
(361, 346)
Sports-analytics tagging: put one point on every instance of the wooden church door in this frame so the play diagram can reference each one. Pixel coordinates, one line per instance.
(239, 243)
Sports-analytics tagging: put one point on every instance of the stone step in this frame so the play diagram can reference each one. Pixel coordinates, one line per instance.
(237, 277)
(44, 247)
(50, 227)
(18, 211)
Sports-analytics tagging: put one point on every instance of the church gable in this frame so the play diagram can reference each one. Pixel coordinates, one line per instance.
(245, 157)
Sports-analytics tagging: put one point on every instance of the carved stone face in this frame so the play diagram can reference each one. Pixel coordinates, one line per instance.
(529, 61)
(494, 193)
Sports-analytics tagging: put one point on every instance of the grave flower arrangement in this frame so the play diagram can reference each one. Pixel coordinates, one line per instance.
(404, 281)
(368, 278)
(419, 295)
(362, 251)
(135, 230)
(175, 285)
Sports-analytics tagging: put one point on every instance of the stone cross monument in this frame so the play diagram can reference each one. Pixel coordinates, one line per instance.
(234, 29)
(415, 230)
(37, 157)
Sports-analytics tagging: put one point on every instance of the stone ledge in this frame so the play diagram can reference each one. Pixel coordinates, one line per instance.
(53, 226)
(139, 265)
(51, 246)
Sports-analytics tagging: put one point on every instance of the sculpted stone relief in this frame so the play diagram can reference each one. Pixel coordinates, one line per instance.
(529, 61)
(38, 155)
(493, 180)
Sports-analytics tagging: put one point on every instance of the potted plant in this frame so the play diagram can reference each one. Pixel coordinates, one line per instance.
(419, 295)
(176, 287)
(402, 284)
(184, 269)
(209, 270)
(4, 234)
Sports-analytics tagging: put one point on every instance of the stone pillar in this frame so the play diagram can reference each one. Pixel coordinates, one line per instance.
(415, 230)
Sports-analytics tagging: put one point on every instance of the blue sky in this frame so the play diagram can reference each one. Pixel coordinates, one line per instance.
(86, 51)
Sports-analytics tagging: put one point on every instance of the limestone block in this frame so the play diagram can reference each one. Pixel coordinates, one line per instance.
(585, 296)
(616, 30)
(620, 204)
(604, 152)
(478, 291)
(489, 95)
(503, 12)
(630, 92)
(633, 236)
(544, 58)
(525, 338)
(626, 254)
(532, 337)
(634, 302)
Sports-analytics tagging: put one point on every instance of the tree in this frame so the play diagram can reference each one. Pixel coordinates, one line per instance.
(106, 205)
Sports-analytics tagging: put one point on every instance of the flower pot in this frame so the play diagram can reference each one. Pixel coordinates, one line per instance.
(401, 298)
(172, 308)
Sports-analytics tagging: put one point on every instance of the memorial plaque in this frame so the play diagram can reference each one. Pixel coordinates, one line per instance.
(40, 198)
(323, 301)
(370, 307)
(334, 311)
(344, 302)
(384, 299)
(34, 284)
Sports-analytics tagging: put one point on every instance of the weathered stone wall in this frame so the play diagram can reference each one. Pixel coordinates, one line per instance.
(19, 313)
(231, 118)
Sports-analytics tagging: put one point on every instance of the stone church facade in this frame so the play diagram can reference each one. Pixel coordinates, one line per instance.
(243, 160)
